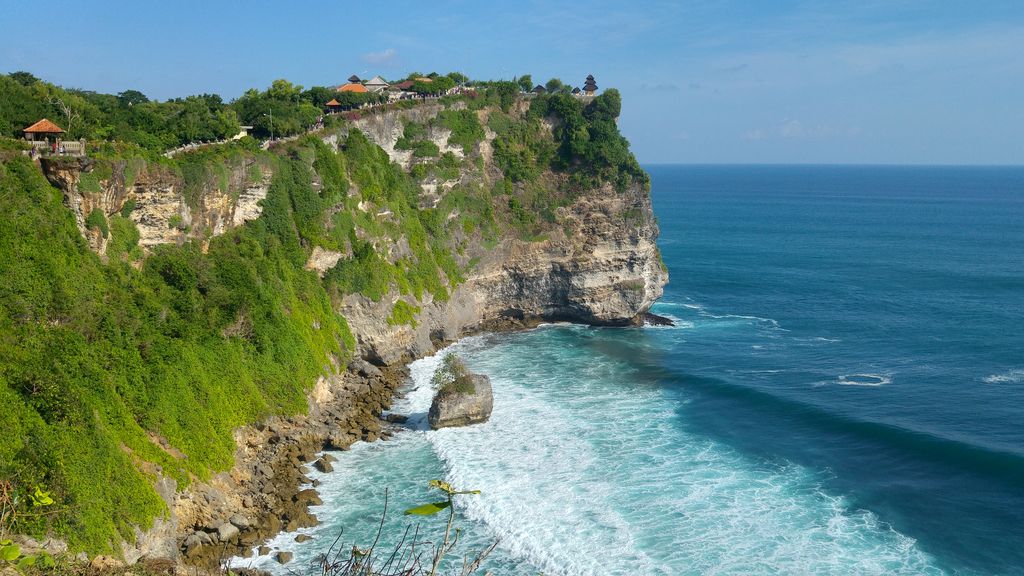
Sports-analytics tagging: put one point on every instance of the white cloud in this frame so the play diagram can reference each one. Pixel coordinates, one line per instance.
(381, 58)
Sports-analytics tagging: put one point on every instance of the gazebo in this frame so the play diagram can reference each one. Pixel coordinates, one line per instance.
(590, 86)
(333, 105)
(42, 130)
(354, 79)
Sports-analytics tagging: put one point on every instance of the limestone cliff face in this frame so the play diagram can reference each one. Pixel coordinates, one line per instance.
(598, 262)
(601, 267)
(157, 198)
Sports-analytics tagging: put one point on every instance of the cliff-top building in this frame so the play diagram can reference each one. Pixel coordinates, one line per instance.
(353, 87)
(376, 84)
(590, 86)
(42, 130)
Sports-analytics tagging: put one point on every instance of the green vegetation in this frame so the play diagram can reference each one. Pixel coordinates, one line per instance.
(465, 127)
(403, 313)
(97, 220)
(102, 364)
(452, 377)
(95, 359)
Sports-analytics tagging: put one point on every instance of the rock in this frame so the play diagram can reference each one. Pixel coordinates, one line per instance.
(263, 550)
(105, 563)
(307, 497)
(303, 538)
(365, 369)
(397, 418)
(459, 409)
(192, 541)
(328, 458)
(653, 319)
(226, 532)
(283, 557)
(323, 465)
(241, 522)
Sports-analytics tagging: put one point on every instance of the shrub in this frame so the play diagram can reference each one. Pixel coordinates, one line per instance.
(97, 220)
(452, 377)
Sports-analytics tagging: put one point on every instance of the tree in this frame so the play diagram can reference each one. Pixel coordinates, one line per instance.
(131, 98)
(458, 77)
(23, 78)
(284, 90)
(525, 82)
(555, 86)
(319, 95)
(70, 114)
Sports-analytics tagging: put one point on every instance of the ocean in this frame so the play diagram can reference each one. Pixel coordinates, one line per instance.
(842, 393)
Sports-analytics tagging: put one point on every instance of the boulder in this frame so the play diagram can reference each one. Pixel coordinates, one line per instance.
(240, 521)
(283, 557)
(226, 532)
(323, 465)
(455, 408)
(303, 538)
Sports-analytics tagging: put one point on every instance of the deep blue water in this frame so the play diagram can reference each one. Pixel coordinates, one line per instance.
(843, 394)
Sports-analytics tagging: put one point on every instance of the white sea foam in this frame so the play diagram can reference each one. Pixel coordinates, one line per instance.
(1011, 377)
(864, 380)
(584, 470)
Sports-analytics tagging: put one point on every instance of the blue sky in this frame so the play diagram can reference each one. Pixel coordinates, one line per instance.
(703, 81)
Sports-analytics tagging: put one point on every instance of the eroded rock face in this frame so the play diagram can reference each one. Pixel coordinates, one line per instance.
(159, 207)
(449, 410)
(602, 266)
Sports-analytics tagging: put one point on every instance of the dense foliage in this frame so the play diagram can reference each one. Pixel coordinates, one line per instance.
(98, 360)
(111, 372)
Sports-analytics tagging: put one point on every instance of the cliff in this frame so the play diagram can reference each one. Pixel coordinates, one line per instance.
(236, 295)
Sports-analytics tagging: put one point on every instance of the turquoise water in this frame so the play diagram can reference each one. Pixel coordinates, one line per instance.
(843, 394)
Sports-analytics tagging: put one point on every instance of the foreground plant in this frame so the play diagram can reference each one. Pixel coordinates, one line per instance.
(407, 557)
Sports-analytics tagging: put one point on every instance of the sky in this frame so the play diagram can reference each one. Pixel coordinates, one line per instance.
(703, 81)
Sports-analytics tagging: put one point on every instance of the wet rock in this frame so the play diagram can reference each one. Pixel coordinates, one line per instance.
(303, 538)
(653, 319)
(397, 418)
(283, 557)
(307, 497)
(323, 466)
(451, 409)
(263, 550)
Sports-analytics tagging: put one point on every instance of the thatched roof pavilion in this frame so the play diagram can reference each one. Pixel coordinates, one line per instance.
(41, 130)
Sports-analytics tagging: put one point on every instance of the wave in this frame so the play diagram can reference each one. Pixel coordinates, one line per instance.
(1012, 377)
(871, 380)
(951, 452)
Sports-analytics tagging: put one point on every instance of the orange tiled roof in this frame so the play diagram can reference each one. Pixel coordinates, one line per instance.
(334, 102)
(44, 126)
(352, 87)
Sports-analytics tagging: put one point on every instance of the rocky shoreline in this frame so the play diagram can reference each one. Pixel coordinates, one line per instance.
(267, 491)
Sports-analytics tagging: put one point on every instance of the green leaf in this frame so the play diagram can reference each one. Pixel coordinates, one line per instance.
(27, 561)
(428, 509)
(46, 561)
(10, 552)
(40, 498)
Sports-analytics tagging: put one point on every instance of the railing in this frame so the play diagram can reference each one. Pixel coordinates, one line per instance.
(64, 148)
